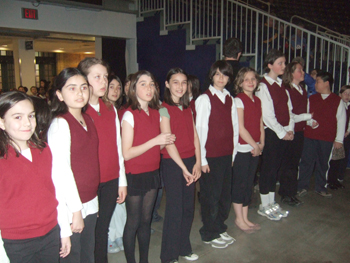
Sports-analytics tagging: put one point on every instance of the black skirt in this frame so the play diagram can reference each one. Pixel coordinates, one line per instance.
(140, 184)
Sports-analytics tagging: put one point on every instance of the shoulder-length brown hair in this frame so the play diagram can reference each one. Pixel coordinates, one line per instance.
(240, 79)
(7, 101)
(119, 101)
(287, 78)
(133, 102)
(184, 100)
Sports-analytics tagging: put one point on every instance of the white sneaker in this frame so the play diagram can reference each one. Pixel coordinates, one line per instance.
(226, 237)
(112, 247)
(276, 207)
(191, 257)
(269, 213)
(217, 243)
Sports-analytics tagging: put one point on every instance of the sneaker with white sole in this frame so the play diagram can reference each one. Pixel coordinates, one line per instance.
(226, 237)
(217, 243)
(324, 194)
(112, 247)
(191, 257)
(269, 213)
(276, 207)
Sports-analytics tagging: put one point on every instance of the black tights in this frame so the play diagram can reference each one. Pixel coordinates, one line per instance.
(139, 214)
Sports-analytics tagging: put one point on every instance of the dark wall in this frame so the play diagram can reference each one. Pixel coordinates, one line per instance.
(158, 54)
(113, 52)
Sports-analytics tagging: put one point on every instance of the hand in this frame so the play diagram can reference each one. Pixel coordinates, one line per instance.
(287, 137)
(165, 138)
(196, 172)
(261, 146)
(122, 192)
(77, 225)
(188, 177)
(256, 151)
(346, 134)
(312, 115)
(314, 124)
(205, 169)
(66, 246)
(291, 134)
(337, 145)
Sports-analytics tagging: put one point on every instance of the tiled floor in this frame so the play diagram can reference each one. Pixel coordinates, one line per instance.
(317, 231)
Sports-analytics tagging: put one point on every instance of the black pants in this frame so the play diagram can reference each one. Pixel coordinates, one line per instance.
(244, 168)
(215, 197)
(44, 249)
(107, 197)
(179, 210)
(290, 166)
(316, 153)
(338, 167)
(83, 243)
(274, 153)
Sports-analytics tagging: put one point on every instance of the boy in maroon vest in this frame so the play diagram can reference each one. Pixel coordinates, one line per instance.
(217, 128)
(323, 132)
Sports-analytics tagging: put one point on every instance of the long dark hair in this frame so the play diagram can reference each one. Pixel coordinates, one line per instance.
(184, 100)
(59, 107)
(7, 101)
(133, 102)
(193, 81)
(119, 101)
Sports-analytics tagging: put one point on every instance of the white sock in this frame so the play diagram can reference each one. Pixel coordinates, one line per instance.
(265, 200)
(272, 197)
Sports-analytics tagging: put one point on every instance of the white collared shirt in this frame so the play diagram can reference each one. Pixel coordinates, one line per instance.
(304, 116)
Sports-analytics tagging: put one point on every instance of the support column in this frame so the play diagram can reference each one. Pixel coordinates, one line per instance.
(24, 64)
(98, 47)
(131, 56)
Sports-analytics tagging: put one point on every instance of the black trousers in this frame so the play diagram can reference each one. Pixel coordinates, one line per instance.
(316, 153)
(179, 210)
(83, 243)
(338, 167)
(290, 166)
(215, 197)
(244, 169)
(273, 159)
(107, 197)
(44, 249)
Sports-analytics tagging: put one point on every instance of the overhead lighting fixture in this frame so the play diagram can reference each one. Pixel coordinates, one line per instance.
(58, 51)
(88, 53)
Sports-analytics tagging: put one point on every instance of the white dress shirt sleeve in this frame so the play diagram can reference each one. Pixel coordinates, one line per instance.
(234, 116)
(291, 114)
(122, 176)
(268, 111)
(62, 175)
(203, 109)
(341, 122)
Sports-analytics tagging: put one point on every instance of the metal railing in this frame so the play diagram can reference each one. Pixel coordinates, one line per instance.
(257, 30)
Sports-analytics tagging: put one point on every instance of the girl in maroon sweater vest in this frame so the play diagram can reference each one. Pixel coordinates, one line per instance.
(250, 146)
(28, 206)
(112, 188)
(141, 143)
(292, 78)
(73, 139)
(181, 168)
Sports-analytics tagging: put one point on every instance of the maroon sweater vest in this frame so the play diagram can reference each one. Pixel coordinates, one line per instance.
(84, 156)
(280, 102)
(325, 113)
(146, 127)
(252, 116)
(107, 135)
(299, 103)
(181, 124)
(28, 202)
(220, 134)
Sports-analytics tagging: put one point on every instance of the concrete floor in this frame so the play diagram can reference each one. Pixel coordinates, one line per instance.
(317, 231)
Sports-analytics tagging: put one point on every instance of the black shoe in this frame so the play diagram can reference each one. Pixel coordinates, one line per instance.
(296, 200)
(333, 187)
(339, 185)
(289, 201)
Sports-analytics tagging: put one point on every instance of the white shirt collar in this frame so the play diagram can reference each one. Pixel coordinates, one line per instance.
(298, 88)
(218, 92)
(271, 80)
